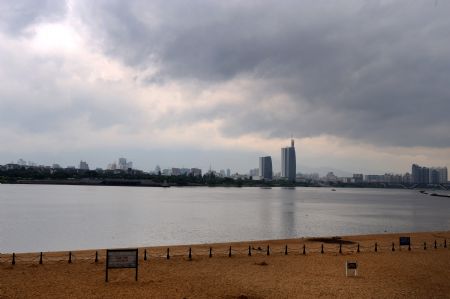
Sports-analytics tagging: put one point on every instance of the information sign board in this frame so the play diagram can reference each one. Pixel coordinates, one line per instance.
(351, 266)
(121, 258)
(405, 241)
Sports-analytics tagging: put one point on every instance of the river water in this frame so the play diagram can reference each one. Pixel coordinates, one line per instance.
(51, 218)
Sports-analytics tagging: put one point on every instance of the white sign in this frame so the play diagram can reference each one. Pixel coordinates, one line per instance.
(351, 266)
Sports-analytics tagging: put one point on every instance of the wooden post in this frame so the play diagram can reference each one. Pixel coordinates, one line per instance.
(168, 253)
(304, 249)
(106, 264)
(145, 254)
(210, 252)
(357, 250)
(70, 257)
(137, 263)
(13, 259)
(229, 253)
(445, 243)
(321, 250)
(376, 247)
(96, 256)
(40, 259)
(268, 250)
(249, 250)
(393, 246)
(435, 244)
(190, 253)
(409, 246)
(424, 245)
(285, 250)
(340, 247)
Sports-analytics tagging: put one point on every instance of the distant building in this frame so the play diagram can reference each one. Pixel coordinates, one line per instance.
(253, 172)
(374, 178)
(358, 177)
(196, 172)
(83, 165)
(122, 165)
(228, 172)
(420, 175)
(288, 162)
(56, 166)
(265, 168)
(438, 175)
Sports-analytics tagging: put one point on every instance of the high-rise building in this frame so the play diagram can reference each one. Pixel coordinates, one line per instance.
(84, 165)
(288, 162)
(420, 175)
(438, 175)
(265, 168)
(122, 165)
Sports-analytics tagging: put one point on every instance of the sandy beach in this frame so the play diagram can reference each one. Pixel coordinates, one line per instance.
(415, 273)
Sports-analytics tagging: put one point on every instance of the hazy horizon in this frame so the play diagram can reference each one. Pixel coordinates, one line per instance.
(361, 86)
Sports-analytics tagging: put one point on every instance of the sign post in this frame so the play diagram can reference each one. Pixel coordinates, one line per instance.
(121, 258)
(351, 266)
(405, 241)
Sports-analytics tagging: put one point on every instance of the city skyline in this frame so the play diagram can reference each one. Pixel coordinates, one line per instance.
(362, 86)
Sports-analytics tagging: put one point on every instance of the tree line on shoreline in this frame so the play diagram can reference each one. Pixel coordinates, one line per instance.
(131, 177)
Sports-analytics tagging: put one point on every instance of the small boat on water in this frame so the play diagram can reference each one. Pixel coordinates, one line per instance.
(439, 195)
(333, 189)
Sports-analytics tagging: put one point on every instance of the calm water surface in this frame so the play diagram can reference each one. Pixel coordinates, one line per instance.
(49, 218)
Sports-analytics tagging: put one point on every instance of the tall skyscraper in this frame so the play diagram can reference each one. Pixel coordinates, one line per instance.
(288, 162)
(265, 168)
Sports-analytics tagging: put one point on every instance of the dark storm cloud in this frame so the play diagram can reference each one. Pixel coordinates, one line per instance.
(16, 15)
(376, 71)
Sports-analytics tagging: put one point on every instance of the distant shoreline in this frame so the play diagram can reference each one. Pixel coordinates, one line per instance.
(256, 184)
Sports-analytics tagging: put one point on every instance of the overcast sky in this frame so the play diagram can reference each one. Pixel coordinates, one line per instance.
(363, 86)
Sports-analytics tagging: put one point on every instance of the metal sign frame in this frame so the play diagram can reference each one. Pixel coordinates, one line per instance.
(405, 241)
(125, 265)
(351, 265)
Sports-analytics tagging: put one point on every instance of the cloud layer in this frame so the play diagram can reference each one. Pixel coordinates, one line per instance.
(218, 75)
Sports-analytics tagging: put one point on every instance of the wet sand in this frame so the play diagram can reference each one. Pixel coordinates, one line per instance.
(417, 273)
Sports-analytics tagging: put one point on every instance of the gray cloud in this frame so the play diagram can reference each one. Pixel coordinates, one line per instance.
(374, 71)
(18, 14)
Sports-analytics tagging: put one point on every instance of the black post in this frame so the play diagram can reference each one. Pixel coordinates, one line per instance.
(285, 250)
(321, 251)
(249, 250)
(435, 244)
(376, 247)
(210, 252)
(340, 247)
(40, 259)
(168, 254)
(229, 253)
(304, 249)
(70, 257)
(96, 256)
(409, 246)
(358, 248)
(268, 250)
(393, 246)
(424, 245)
(190, 253)
(14, 259)
(445, 243)
(145, 254)
(137, 263)
(106, 264)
